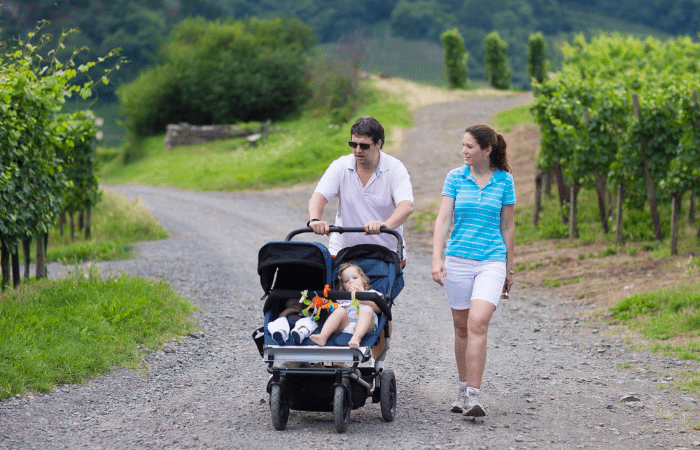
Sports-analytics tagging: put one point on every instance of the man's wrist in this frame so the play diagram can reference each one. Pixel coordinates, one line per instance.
(312, 220)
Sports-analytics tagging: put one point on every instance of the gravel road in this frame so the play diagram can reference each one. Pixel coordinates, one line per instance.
(556, 378)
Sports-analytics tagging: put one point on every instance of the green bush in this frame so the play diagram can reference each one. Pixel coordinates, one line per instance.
(496, 61)
(219, 73)
(456, 58)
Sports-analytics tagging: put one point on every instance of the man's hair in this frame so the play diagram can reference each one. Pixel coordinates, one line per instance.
(370, 127)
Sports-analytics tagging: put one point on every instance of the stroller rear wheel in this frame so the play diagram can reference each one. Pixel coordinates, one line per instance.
(387, 395)
(341, 406)
(279, 407)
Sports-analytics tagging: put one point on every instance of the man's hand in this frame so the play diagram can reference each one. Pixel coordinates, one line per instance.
(320, 227)
(373, 226)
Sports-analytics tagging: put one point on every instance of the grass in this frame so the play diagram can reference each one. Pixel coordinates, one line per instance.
(56, 332)
(117, 223)
(297, 150)
(663, 314)
(506, 121)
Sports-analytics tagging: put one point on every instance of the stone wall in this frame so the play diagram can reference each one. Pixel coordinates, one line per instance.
(186, 134)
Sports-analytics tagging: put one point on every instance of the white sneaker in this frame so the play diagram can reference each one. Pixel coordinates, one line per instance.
(474, 407)
(458, 405)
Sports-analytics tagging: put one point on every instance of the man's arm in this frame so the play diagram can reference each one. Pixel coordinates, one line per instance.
(401, 213)
(316, 205)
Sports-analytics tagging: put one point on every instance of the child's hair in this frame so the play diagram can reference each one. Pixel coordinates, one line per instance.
(365, 278)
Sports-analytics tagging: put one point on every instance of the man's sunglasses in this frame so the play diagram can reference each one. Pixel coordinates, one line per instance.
(362, 146)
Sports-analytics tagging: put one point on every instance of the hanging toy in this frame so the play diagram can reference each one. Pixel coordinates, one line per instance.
(317, 303)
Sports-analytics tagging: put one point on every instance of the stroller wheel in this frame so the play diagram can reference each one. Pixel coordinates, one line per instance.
(387, 395)
(341, 406)
(279, 407)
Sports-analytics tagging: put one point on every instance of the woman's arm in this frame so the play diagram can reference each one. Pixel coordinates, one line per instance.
(443, 222)
(508, 233)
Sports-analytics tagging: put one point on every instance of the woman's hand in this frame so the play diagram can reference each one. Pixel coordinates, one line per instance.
(439, 272)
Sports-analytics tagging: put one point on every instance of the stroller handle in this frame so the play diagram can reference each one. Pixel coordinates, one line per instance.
(341, 230)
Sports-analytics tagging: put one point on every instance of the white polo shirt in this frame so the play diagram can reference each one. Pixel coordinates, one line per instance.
(390, 184)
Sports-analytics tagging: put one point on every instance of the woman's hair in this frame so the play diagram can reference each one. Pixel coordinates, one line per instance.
(485, 136)
(365, 278)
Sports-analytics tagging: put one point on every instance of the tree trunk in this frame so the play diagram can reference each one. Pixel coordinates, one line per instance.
(651, 196)
(27, 250)
(88, 222)
(539, 178)
(601, 189)
(81, 219)
(16, 278)
(691, 210)
(61, 222)
(72, 226)
(573, 220)
(548, 184)
(618, 219)
(675, 216)
(4, 264)
(40, 258)
(563, 191)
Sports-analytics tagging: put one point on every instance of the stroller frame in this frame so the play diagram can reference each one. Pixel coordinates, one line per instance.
(307, 377)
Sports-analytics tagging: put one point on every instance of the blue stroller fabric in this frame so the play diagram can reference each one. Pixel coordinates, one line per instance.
(289, 267)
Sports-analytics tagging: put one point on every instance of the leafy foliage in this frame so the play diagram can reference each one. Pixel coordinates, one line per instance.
(496, 61)
(589, 125)
(537, 63)
(137, 27)
(38, 143)
(456, 58)
(216, 73)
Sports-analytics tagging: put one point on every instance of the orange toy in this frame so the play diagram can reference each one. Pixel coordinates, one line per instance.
(317, 304)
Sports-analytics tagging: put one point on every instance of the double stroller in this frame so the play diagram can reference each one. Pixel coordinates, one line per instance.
(308, 377)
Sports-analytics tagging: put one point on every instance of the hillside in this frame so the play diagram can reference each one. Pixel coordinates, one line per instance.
(139, 27)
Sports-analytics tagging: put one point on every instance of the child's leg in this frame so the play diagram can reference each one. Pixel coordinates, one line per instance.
(335, 323)
(365, 323)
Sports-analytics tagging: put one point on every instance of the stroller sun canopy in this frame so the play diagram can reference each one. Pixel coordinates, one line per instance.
(294, 265)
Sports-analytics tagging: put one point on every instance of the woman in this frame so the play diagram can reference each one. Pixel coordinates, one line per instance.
(479, 198)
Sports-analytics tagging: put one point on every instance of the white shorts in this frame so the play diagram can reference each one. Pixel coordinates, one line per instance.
(468, 279)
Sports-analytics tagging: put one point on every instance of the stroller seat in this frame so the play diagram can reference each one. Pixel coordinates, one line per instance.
(287, 268)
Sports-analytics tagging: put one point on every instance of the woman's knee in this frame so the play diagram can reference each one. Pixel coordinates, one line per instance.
(477, 326)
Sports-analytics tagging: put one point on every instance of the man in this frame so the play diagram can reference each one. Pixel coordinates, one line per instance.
(372, 187)
(373, 190)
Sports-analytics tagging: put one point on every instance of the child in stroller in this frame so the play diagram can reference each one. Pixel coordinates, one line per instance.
(352, 316)
(305, 376)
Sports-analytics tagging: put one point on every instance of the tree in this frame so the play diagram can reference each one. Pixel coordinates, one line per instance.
(218, 73)
(34, 138)
(537, 63)
(496, 61)
(456, 59)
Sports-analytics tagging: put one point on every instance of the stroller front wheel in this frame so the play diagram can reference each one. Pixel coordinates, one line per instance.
(341, 406)
(279, 407)
(387, 395)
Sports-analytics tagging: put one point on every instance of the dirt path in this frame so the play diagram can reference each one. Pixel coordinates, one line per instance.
(554, 379)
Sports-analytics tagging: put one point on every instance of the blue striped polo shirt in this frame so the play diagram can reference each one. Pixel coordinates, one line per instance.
(477, 214)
